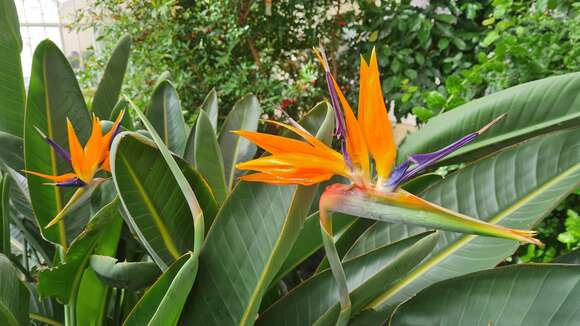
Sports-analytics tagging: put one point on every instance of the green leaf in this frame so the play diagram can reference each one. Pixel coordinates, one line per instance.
(127, 122)
(12, 151)
(5, 216)
(111, 83)
(53, 96)
(157, 209)
(164, 113)
(573, 257)
(532, 108)
(164, 300)
(422, 113)
(14, 297)
(12, 90)
(210, 106)
(516, 295)
(236, 149)
(315, 301)
(62, 281)
(92, 312)
(246, 246)
(515, 188)
(123, 274)
(208, 157)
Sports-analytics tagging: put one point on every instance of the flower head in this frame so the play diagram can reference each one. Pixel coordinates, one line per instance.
(85, 162)
(367, 159)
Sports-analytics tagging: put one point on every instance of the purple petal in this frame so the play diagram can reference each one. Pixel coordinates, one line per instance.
(398, 173)
(59, 150)
(340, 127)
(74, 182)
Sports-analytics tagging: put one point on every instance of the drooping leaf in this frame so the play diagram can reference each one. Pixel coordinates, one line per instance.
(532, 108)
(12, 90)
(53, 97)
(12, 151)
(158, 210)
(14, 297)
(163, 301)
(514, 188)
(110, 85)
(62, 280)
(315, 301)
(208, 157)
(164, 113)
(210, 106)
(126, 275)
(244, 116)
(527, 295)
(246, 246)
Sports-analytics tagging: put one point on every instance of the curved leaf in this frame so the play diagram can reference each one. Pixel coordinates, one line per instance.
(110, 85)
(14, 297)
(5, 216)
(532, 108)
(126, 275)
(164, 113)
(244, 116)
(516, 295)
(245, 247)
(157, 209)
(208, 157)
(62, 281)
(210, 106)
(12, 90)
(315, 301)
(515, 188)
(53, 96)
(164, 300)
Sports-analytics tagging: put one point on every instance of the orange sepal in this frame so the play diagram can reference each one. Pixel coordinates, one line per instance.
(55, 178)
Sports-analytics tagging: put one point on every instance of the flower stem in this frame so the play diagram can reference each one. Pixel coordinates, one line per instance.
(335, 266)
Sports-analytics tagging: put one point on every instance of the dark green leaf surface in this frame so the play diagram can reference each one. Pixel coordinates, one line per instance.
(164, 300)
(515, 188)
(12, 151)
(53, 96)
(5, 216)
(235, 149)
(14, 297)
(526, 295)
(208, 157)
(210, 106)
(158, 210)
(247, 244)
(12, 90)
(164, 113)
(573, 257)
(532, 108)
(110, 85)
(126, 275)
(316, 300)
(63, 280)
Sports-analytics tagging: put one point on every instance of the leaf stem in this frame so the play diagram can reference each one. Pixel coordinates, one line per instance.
(44, 319)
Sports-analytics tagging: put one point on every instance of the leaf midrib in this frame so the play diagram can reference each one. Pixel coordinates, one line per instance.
(154, 213)
(430, 262)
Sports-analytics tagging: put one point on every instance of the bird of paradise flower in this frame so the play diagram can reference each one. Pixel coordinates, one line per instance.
(85, 162)
(373, 193)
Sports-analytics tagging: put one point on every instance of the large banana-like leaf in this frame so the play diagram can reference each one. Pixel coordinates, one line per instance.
(573, 257)
(122, 274)
(244, 116)
(12, 90)
(245, 247)
(62, 281)
(514, 188)
(208, 157)
(210, 106)
(14, 297)
(110, 85)
(532, 108)
(11, 151)
(157, 209)
(5, 216)
(164, 300)
(53, 96)
(315, 301)
(164, 113)
(530, 295)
